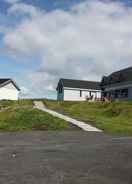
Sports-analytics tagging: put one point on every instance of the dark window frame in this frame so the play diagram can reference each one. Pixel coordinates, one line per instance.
(124, 93)
(80, 93)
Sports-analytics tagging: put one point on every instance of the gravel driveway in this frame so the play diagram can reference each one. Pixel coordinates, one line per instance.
(65, 158)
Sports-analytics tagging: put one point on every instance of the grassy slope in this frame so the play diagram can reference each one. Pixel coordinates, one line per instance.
(113, 118)
(15, 104)
(19, 115)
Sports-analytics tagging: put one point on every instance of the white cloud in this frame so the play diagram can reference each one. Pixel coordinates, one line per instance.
(12, 1)
(91, 39)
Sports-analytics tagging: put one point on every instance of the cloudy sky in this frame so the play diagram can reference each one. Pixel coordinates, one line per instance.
(44, 40)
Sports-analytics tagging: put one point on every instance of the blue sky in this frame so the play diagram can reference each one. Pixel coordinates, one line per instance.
(44, 40)
(46, 4)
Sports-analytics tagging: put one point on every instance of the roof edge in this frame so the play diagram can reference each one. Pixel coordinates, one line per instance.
(8, 81)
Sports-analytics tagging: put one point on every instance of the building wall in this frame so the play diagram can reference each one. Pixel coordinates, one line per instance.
(130, 93)
(9, 92)
(122, 87)
(60, 96)
(74, 95)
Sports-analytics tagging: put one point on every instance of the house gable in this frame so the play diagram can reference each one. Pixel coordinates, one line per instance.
(9, 84)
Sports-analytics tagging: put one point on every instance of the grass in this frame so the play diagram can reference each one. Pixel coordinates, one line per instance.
(15, 104)
(113, 118)
(20, 116)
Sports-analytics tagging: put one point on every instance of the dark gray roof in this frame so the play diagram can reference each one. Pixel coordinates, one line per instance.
(71, 83)
(120, 76)
(5, 81)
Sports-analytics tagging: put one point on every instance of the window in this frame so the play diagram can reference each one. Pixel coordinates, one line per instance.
(80, 93)
(124, 93)
(121, 93)
(117, 93)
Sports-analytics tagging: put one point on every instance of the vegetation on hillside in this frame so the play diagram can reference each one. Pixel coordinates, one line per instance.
(20, 115)
(115, 117)
(15, 104)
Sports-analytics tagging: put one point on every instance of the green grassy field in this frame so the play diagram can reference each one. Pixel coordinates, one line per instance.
(20, 116)
(113, 118)
(15, 104)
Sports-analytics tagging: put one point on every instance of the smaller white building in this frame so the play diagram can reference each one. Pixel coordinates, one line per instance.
(8, 90)
(78, 90)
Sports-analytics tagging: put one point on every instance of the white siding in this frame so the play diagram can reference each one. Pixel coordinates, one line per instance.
(99, 94)
(74, 95)
(9, 92)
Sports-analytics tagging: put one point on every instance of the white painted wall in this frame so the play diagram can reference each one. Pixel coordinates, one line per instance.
(9, 92)
(74, 95)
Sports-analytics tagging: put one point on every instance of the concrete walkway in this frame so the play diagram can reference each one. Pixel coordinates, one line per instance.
(82, 125)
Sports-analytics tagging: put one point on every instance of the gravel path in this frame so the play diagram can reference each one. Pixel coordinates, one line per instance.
(65, 157)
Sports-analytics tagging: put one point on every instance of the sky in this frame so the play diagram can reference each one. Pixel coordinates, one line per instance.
(42, 41)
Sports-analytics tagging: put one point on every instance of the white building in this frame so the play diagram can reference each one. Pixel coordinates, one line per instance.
(8, 90)
(77, 90)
